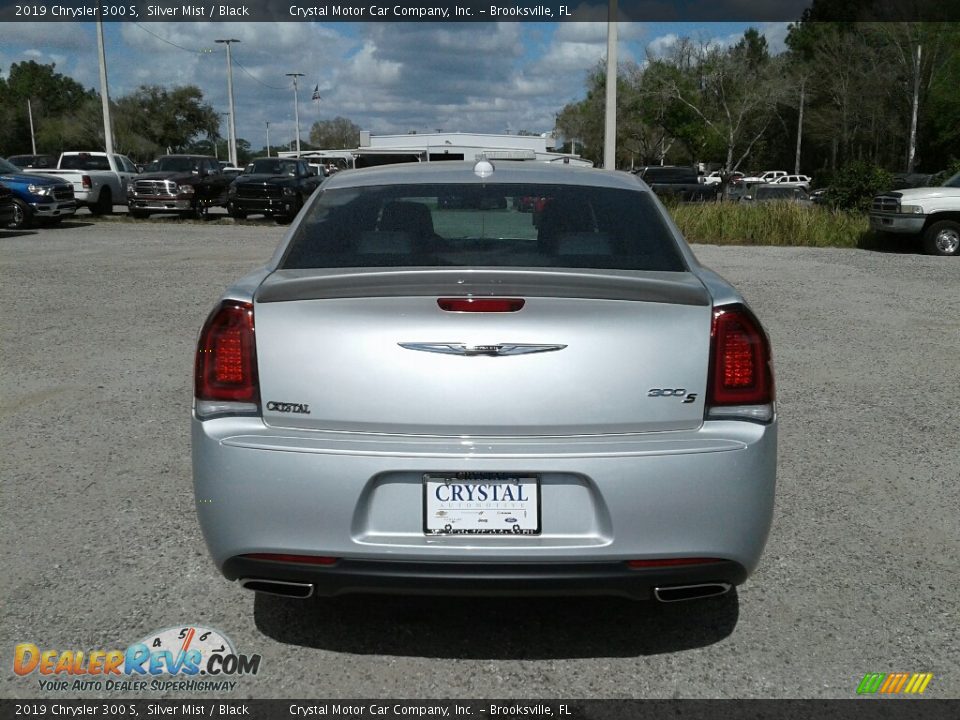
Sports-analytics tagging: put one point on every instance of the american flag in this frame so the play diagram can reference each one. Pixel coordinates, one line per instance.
(316, 93)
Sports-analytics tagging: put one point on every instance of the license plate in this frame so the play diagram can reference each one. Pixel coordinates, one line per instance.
(481, 504)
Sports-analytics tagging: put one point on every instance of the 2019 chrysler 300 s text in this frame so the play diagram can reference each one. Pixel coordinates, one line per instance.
(462, 397)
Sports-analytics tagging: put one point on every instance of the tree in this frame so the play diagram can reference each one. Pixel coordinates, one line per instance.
(733, 93)
(339, 133)
(582, 122)
(159, 119)
(51, 95)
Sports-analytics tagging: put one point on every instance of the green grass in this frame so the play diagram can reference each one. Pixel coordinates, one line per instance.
(770, 223)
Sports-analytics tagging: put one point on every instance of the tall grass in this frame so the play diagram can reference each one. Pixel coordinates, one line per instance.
(769, 223)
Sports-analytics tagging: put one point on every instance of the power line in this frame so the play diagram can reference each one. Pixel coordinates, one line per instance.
(272, 87)
(203, 51)
(206, 51)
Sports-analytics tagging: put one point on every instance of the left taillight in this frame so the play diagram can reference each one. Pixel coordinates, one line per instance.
(87, 182)
(225, 373)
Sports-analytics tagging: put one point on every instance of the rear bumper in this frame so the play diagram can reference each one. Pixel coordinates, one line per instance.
(490, 579)
(358, 497)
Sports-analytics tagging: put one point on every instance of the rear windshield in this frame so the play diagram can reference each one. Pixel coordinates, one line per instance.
(84, 162)
(473, 225)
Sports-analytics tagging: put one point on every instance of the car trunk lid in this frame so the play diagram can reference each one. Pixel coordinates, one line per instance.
(588, 352)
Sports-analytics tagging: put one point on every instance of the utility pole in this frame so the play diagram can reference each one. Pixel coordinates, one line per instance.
(912, 151)
(296, 106)
(104, 92)
(610, 124)
(33, 138)
(233, 114)
(796, 162)
(268, 138)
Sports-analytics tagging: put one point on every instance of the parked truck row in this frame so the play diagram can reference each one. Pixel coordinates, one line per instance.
(189, 185)
(185, 185)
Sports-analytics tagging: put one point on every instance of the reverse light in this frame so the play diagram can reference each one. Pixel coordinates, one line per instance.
(740, 382)
(225, 373)
(485, 305)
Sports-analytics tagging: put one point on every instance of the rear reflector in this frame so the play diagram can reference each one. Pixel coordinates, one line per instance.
(670, 562)
(226, 366)
(740, 372)
(485, 305)
(287, 558)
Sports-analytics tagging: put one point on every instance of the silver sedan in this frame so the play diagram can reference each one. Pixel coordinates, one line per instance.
(437, 387)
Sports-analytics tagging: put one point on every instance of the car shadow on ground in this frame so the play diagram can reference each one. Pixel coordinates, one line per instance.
(889, 244)
(496, 628)
(7, 233)
(64, 225)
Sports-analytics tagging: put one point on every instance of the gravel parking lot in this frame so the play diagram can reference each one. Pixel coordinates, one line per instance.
(103, 548)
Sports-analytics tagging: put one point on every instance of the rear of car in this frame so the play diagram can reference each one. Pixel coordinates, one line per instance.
(433, 389)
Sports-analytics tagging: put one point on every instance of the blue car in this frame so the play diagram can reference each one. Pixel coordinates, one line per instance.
(36, 198)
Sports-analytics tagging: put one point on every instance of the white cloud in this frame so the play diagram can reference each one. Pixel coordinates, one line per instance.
(47, 35)
(390, 77)
(660, 46)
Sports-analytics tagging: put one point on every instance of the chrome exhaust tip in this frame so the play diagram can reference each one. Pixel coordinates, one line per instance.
(678, 593)
(278, 587)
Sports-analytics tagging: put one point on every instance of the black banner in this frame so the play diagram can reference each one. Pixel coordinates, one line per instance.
(475, 11)
(860, 709)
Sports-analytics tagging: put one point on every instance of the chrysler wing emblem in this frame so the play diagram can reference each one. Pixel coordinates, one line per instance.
(491, 350)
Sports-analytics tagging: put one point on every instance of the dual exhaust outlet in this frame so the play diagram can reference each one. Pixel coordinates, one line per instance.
(674, 593)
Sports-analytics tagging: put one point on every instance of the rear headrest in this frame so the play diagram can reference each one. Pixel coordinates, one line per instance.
(411, 217)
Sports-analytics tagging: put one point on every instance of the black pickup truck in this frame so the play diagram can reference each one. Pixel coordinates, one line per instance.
(185, 184)
(681, 183)
(273, 187)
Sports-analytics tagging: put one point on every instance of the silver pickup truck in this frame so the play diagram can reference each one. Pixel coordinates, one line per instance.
(99, 180)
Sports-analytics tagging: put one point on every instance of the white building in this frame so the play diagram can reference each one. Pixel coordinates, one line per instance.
(441, 146)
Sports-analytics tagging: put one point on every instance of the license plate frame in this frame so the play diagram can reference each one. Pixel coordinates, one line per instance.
(479, 514)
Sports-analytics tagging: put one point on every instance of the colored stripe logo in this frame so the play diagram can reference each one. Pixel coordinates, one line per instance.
(894, 683)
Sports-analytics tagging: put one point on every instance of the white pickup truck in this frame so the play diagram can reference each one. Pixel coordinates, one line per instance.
(99, 180)
(932, 213)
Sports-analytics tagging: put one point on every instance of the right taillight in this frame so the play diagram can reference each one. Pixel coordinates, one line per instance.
(225, 377)
(740, 384)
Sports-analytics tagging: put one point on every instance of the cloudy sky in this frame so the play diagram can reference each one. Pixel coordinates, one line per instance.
(387, 78)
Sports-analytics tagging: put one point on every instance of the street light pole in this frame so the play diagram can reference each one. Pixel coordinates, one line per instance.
(233, 114)
(104, 93)
(296, 106)
(610, 123)
(268, 138)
